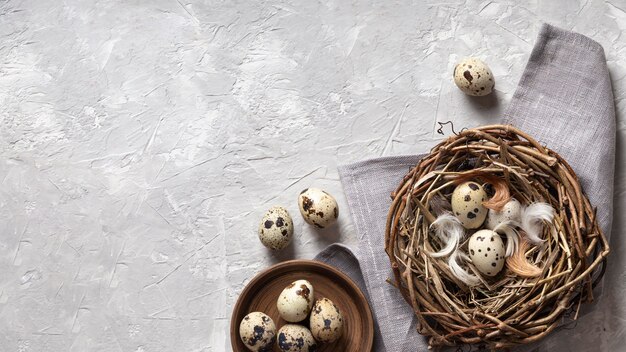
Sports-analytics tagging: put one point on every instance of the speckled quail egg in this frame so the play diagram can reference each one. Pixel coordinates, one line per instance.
(296, 338)
(511, 211)
(318, 207)
(486, 250)
(467, 204)
(276, 228)
(473, 77)
(326, 321)
(257, 332)
(295, 301)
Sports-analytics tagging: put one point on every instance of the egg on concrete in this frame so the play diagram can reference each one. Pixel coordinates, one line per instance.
(473, 77)
(317, 207)
(296, 338)
(326, 321)
(511, 211)
(276, 228)
(295, 301)
(467, 204)
(257, 332)
(486, 250)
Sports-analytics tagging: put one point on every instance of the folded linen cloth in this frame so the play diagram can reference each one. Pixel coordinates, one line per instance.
(565, 101)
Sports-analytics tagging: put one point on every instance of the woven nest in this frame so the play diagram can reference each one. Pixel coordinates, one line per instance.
(505, 310)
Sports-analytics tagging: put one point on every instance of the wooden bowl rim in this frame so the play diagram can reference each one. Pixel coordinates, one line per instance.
(293, 262)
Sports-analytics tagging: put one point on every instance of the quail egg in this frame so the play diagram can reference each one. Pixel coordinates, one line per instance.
(318, 207)
(467, 204)
(295, 301)
(511, 211)
(257, 332)
(326, 321)
(296, 338)
(473, 77)
(486, 250)
(276, 228)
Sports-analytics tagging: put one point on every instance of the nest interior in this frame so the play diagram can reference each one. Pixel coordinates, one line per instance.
(506, 310)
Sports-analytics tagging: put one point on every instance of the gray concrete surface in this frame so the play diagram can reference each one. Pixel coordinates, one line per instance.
(141, 141)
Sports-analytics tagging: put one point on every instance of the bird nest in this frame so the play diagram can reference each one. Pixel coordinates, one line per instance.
(508, 309)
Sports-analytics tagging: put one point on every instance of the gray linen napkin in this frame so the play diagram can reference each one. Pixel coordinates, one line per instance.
(564, 100)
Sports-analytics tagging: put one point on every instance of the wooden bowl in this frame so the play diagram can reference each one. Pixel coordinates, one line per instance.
(263, 290)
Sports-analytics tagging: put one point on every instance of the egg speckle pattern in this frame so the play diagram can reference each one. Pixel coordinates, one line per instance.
(317, 207)
(276, 228)
(511, 211)
(467, 204)
(257, 332)
(326, 321)
(295, 301)
(473, 77)
(486, 250)
(296, 338)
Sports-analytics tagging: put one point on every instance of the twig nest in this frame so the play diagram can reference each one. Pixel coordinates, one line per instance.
(473, 77)
(560, 256)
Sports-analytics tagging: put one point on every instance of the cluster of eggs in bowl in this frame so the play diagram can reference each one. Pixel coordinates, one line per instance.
(295, 303)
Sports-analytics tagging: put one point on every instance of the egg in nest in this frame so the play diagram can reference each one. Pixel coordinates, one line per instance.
(467, 204)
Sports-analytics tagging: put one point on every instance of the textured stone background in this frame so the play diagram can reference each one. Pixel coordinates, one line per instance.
(141, 141)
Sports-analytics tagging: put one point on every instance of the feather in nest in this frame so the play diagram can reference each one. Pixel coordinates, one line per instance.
(518, 263)
(532, 220)
(460, 273)
(449, 230)
(512, 236)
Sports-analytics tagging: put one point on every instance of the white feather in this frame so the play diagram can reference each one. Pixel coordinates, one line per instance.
(533, 217)
(512, 236)
(450, 232)
(460, 273)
